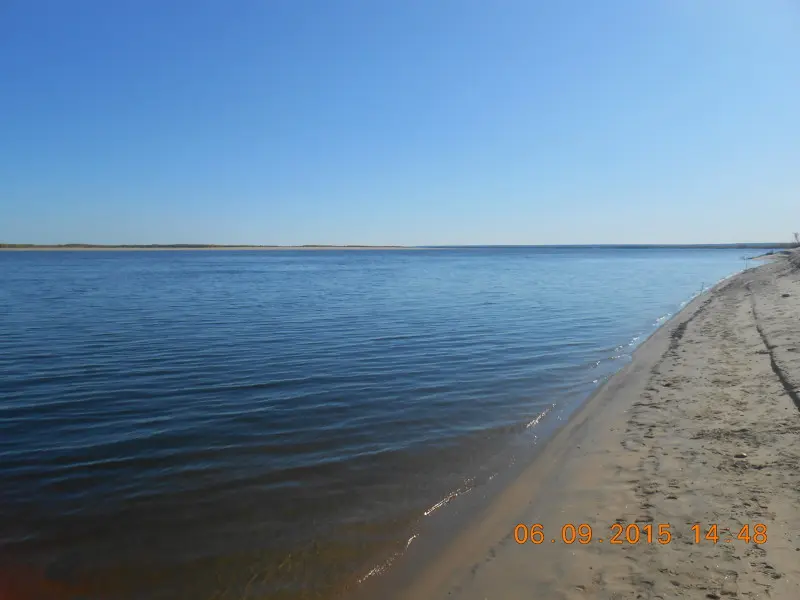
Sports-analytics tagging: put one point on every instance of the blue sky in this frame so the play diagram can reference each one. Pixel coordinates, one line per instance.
(399, 121)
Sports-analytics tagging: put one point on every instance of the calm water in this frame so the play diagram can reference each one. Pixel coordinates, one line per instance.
(270, 424)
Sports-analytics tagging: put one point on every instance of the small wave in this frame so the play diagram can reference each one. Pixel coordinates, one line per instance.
(469, 484)
(662, 319)
(378, 569)
(382, 567)
(541, 416)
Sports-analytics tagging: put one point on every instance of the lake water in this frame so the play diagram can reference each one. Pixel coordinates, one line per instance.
(269, 424)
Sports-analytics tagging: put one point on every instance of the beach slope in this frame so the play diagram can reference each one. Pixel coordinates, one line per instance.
(701, 428)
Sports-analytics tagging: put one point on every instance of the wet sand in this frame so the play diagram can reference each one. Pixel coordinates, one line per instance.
(702, 427)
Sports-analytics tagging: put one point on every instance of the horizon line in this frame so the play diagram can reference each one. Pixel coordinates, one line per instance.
(11, 246)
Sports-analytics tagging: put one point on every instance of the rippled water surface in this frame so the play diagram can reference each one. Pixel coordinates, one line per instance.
(270, 423)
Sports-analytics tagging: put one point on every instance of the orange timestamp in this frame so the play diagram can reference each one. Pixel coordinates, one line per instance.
(634, 533)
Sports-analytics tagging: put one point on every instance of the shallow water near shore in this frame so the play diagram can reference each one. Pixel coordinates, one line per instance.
(254, 424)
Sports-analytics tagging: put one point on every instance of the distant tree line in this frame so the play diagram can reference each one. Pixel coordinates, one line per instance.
(121, 246)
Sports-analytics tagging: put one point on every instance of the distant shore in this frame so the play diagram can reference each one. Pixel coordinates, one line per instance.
(79, 247)
(76, 247)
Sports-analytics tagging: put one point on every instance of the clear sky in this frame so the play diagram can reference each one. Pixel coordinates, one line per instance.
(399, 121)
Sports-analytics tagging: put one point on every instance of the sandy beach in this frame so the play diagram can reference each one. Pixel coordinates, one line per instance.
(701, 428)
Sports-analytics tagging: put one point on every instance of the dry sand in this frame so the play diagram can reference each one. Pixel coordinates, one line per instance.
(658, 444)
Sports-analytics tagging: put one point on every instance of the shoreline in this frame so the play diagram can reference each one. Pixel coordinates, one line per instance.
(383, 578)
(625, 456)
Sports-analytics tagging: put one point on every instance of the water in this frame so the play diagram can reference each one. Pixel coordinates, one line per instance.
(270, 424)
